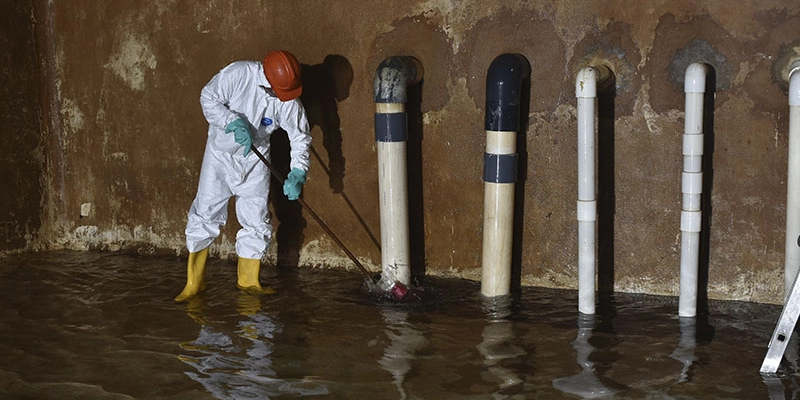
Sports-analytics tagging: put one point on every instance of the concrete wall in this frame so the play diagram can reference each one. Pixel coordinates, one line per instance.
(20, 152)
(124, 133)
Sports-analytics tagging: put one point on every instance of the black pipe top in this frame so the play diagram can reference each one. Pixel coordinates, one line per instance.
(503, 86)
(392, 77)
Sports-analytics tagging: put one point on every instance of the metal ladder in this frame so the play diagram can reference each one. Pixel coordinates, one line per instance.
(783, 331)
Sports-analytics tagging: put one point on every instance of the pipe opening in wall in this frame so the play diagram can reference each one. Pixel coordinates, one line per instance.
(782, 67)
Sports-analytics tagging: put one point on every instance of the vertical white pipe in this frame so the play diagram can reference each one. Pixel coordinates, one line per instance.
(498, 221)
(692, 187)
(392, 77)
(393, 189)
(792, 255)
(586, 93)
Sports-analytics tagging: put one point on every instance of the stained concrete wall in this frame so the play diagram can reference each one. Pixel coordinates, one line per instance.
(20, 152)
(124, 133)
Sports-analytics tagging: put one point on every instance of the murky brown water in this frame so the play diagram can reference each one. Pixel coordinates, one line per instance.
(86, 325)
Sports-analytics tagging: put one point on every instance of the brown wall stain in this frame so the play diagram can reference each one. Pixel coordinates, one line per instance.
(21, 154)
(121, 134)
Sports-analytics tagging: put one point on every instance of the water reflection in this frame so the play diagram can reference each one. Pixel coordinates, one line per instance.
(79, 325)
(585, 384)
(500, 347)
(237, 364)
(694, 331)
(684, 352)
(775, 387)
(791, 355)
(775, 382)
(405, 342)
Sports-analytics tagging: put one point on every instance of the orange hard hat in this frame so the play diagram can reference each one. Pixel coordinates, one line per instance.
(283, 73)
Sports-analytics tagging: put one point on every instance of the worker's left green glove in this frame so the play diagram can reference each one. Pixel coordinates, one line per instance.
(241, 132)
(294, 183)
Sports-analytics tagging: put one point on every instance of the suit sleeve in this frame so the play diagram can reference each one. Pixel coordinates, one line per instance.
(295, 123)
(217, 93)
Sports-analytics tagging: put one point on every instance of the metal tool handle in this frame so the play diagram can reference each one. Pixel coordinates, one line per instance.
(324, 226)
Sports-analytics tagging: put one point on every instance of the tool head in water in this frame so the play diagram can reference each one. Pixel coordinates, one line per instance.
(398, 290)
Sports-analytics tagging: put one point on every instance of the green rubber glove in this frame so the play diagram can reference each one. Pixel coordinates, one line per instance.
(241, 132)
(294, 183)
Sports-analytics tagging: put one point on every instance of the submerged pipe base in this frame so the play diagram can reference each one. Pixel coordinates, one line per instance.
(398, 290)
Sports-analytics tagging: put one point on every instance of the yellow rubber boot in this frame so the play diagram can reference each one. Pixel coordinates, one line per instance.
(195, 275)
(248, 277)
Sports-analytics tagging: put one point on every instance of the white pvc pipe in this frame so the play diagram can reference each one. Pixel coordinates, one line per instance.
(692, 187)
(393, 189)
(498, 221)
(586, 93)
(792, 255)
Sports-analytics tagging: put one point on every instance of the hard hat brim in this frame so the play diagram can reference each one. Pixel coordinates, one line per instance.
(286, 95)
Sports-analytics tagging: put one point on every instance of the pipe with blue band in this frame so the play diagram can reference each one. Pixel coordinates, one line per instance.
(503, 103)
(500, 168)
(392, 78)
(391, 127)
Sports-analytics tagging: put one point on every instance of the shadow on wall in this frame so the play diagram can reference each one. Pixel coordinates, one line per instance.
(416, 205)
(519, 189)
(324, 85)
(708, 184)
(606, 198)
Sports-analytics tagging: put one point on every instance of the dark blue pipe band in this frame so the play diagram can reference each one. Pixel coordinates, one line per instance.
(391, 127)
(499, 168)
(503, 87)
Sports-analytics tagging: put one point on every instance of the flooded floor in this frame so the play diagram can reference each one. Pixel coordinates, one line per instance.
(87, 325)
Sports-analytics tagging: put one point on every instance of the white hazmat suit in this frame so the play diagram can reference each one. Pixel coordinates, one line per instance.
(241, 90)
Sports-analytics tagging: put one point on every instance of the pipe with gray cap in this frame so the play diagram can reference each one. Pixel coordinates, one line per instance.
(392, 78)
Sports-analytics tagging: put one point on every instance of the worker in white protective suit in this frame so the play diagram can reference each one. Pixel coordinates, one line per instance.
(244, 103)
